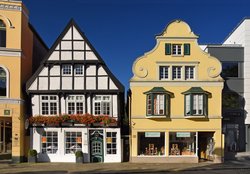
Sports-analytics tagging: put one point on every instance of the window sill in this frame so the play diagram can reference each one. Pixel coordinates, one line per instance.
(196, 116)
(177, 55)
(156, 116)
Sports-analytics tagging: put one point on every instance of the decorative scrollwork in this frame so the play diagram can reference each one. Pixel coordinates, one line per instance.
(141, 72)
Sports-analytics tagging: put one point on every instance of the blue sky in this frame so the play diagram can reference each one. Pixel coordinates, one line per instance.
(122, 30)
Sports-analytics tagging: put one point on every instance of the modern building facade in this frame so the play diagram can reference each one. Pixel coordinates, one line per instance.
(20, 47)
(77, 103)
(175, 101)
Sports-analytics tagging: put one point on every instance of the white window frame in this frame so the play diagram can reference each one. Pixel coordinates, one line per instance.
(7, 81)
(165, 73)
(176, 72)
(68, 70)
(49, 101)
(198, 104)
(102, 102)
(177, 49)
(76, 69)
(75, 101)
(116, 143)
(73, 144)
(52, 142)
(189, 72)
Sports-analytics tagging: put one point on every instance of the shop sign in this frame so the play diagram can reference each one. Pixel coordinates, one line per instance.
(183, 134)
(152, 134)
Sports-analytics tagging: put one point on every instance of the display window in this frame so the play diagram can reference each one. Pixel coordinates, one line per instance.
(182, 143)
(151, 143)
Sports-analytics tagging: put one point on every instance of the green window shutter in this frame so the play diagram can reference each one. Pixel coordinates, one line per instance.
(186, 49)
(167, 49)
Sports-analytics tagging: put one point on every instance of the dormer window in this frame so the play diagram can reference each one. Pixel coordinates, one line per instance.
(158, 102)
(196, 102)
(2, 34)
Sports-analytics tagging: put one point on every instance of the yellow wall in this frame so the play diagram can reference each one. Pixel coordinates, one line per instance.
(146, 76)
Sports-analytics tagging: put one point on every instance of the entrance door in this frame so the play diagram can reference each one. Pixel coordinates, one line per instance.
(205, 149)
(96, 145)
(5, 138)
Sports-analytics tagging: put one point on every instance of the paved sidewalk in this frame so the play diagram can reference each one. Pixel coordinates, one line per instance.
(39, 168)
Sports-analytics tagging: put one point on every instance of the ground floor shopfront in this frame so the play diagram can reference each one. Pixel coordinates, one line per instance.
(175, 146)
(58, 144)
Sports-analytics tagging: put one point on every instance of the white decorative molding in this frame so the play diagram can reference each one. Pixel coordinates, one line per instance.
(10, 52)
(11, 101)
(10, 7)
(162, 83)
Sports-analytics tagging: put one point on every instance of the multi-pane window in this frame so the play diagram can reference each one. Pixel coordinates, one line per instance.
(49, 141)
(96, 147)
(195, 104)
(3, 83)
(75, 104)
(102, 105)
(49, 105)
(73, 142)
(66, 69)
(2, 34)
(156, 104)
(176, 49)
(78, 69)
(111, 142)
(176, 72)
(189, 72)
(164, 72)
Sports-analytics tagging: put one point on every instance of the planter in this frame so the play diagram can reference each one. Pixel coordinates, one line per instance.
(79, 159)
(52, 124)
(32, 159)
(112, 125)
(66, 124)
(97, 124)
(80, 124)
(38, 124)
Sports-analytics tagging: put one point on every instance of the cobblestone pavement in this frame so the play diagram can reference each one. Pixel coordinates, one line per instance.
(235, 167)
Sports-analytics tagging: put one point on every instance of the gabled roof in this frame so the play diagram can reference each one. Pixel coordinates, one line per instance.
(60, 37)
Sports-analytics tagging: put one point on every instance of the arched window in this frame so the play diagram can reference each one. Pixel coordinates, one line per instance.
(3, 83)
(2, 34)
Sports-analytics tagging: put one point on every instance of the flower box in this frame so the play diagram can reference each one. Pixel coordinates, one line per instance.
(66, 124)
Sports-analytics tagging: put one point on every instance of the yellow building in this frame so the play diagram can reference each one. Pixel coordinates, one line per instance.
(20, 50)
(175, 101)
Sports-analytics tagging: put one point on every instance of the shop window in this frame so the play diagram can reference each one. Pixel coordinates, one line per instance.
(2, 34)
(102, 105)
(75, 104)
(230, 69)
(182, 143)
(151, 143)
(73, 142)
(111, 142)
(49, 141)
(3, 83)
(49, 105)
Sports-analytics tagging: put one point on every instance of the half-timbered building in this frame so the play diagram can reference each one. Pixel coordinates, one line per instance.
(77, 103)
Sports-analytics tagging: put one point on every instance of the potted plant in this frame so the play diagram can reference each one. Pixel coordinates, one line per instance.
(32, 156)
(79, 156)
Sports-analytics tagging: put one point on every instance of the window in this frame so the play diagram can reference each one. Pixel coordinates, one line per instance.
(3, 83)
(111, 142)
(66, 69)
(49, 105)
(75, 104)
(156, 104)
(102, 105)
(189, 72)
(73, 142)
(196, 104)
(2, 34)
(176, 72)
(151, 143)
(78, 69)
(230, 69)
(182, 143)
(49, 141)
(164, 72)
(176, 49)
